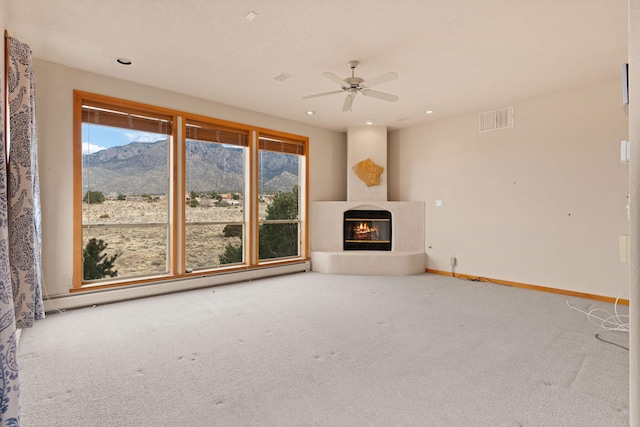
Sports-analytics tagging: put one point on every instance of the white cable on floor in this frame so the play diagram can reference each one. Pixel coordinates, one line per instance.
(615, 322)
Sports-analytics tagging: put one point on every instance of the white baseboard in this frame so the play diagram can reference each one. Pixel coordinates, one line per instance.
(104, 296)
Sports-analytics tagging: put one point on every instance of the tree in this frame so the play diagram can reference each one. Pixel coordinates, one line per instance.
(97, 265)
(232, 254)
(212, 195)
(122, 197)
(280, 240)
(93, 197)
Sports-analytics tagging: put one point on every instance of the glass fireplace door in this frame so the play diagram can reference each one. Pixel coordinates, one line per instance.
(367, 230)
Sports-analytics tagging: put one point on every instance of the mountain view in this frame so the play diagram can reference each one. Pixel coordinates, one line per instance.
(141, 168)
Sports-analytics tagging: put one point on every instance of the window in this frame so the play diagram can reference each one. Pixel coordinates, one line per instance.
(160, 194)
(125, 188)
(281, 167)
(216, 170)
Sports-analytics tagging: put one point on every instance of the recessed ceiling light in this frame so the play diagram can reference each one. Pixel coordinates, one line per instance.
(428, 112)
(123, 61)
(310, 113)
(369, 122)
(251, 16)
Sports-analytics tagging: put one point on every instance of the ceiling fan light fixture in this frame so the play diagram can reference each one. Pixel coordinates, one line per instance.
(354, 85)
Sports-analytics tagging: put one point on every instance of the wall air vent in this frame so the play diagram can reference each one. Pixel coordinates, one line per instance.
(498, 119)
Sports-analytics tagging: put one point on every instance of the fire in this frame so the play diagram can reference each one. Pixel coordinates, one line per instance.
(362, 231)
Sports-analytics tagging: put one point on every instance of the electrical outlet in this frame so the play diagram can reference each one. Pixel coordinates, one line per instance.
(453, 261)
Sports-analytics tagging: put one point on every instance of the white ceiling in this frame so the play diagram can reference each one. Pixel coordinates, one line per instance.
(452, 56)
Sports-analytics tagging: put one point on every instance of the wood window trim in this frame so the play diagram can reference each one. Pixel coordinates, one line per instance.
(287, 143)
(293, 144)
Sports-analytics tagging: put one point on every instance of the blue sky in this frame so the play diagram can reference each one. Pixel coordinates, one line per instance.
(96, 138)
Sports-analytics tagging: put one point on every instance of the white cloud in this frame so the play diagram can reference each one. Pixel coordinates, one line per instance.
(141, 137)
(89, 148)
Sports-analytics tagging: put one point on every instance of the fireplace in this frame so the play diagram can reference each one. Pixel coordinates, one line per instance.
(367, 230)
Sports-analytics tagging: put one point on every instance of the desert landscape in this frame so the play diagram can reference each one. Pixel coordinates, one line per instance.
(137, 232)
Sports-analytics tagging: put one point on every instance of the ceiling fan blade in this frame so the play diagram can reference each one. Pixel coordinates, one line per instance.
(379, 95)
(348, 102)
(322, 94)
(336, 79)
(380, 79)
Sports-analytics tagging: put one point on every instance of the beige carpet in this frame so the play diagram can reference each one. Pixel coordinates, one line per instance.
(322, 350)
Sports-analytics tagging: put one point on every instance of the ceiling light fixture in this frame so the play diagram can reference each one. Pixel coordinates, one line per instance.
(369, 122)
(123, 61)
(251, 16)
(428, 112)
(310, 113)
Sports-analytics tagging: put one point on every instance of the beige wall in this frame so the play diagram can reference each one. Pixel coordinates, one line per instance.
(55, 85)
(634, 138)
(541, 203)
(507, 194)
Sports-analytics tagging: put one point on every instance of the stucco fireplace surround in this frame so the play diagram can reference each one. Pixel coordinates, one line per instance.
(407, 255)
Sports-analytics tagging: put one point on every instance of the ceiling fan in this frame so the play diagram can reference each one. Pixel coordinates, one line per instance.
(352, 85)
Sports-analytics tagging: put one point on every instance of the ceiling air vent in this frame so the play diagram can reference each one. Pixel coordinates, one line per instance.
(282, 77)
(498, 119)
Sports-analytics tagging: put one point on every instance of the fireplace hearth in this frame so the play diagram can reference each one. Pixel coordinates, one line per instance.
(367, 230)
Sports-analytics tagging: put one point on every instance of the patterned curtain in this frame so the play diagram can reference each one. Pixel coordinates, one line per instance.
(24, 191)
(10, 393)
(20, 233)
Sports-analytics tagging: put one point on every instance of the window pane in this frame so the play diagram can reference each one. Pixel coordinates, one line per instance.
(215, 182)
(213, 245)
(279, 199)
(125, 183)
(279, 241)
(139, 251)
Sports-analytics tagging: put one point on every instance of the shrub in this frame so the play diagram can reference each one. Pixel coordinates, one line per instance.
(93, 197)
(232, 230)
(232, 254)
(97, 265)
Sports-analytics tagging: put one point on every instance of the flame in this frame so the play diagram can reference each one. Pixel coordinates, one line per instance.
(362, 231)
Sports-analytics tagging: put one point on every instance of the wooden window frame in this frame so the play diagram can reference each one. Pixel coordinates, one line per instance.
(146, 118)
(281, 142)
